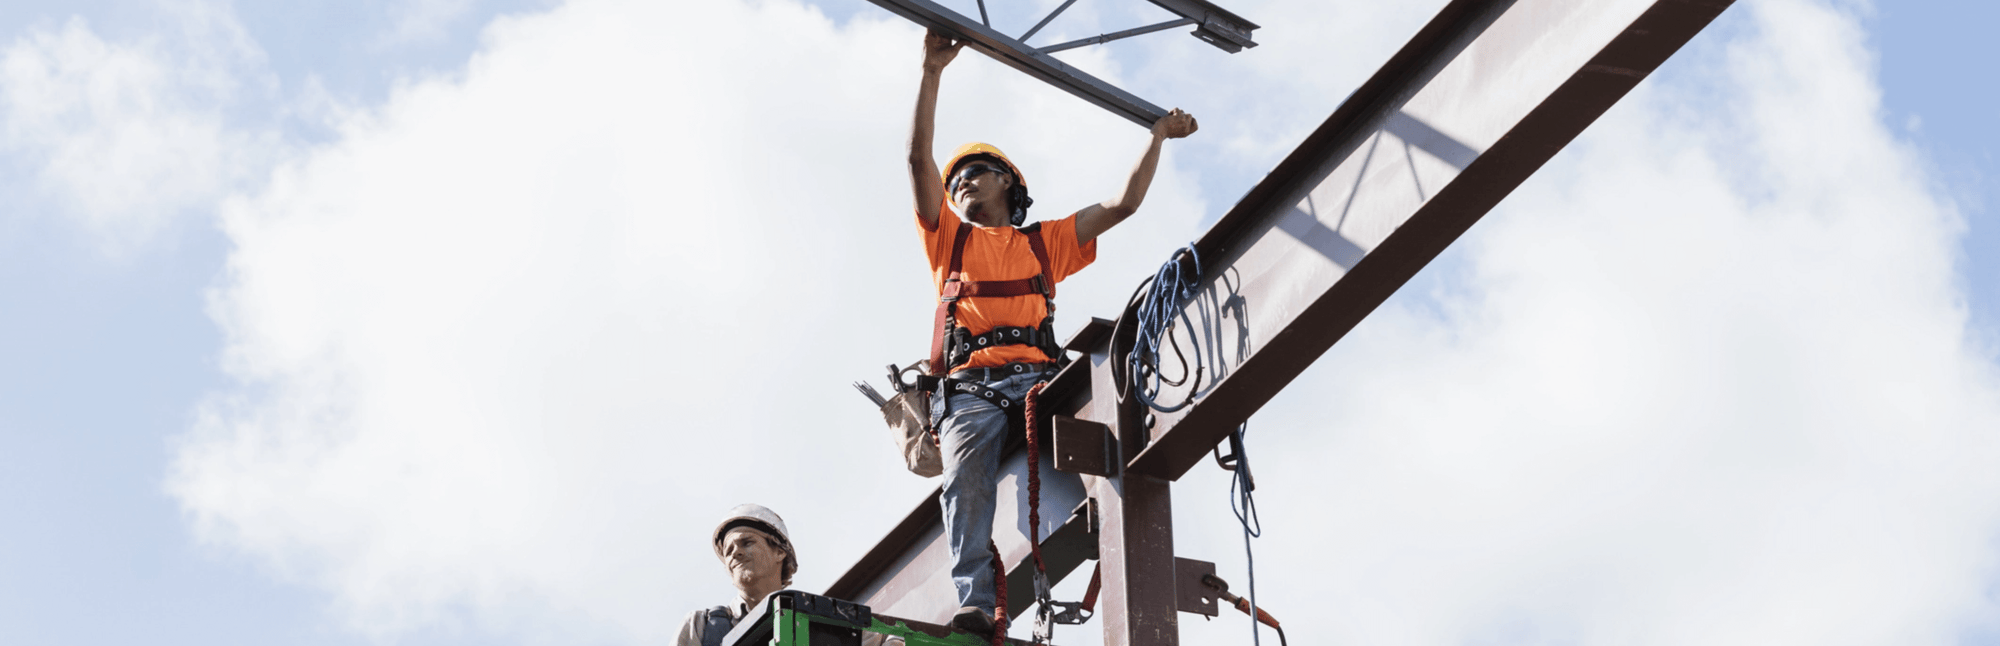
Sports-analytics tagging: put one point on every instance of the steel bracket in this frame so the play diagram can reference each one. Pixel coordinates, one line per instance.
(1190, 594)
(1085, 447)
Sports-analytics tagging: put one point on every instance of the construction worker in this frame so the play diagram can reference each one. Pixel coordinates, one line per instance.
(994, 337)
(757, 552)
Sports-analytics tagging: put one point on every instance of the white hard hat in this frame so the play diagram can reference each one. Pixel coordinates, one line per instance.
(762, 519)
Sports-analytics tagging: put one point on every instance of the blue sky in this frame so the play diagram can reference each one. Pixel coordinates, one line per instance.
(257, 385)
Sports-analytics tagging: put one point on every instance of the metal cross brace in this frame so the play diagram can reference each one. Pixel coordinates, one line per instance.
(1213, 25)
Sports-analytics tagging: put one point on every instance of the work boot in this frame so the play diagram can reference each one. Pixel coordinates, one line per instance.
(974, 620)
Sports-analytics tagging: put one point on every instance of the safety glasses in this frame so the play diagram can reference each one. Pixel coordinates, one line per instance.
(971, 170)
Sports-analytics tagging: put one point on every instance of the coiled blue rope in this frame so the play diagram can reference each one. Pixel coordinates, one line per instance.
(1165, 297)
(1162, 300)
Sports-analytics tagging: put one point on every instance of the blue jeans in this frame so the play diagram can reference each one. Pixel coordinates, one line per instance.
(971, 437)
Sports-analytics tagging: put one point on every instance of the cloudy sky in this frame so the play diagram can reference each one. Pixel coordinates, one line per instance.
(453, 322)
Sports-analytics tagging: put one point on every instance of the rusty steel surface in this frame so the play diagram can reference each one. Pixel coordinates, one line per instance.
(1083, 447)
(1136, 530)
(1068, 547)
(1141, 605)
(1191, 593)
(1470, 109)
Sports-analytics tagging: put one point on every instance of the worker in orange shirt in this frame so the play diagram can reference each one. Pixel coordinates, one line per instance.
(994, 337)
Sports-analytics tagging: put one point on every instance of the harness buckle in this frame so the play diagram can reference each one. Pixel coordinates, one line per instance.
(1045, 610)
(1071, 612)
(1040, 283)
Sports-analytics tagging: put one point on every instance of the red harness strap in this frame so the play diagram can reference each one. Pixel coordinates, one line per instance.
(955, 287)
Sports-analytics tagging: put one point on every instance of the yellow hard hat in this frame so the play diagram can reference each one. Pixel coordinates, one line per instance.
(978, 148)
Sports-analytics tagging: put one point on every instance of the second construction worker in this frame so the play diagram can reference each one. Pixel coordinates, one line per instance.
(756, 551)
(994, 339)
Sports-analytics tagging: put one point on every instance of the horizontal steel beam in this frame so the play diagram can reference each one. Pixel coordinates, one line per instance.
(1486, 94)
(1020, 56)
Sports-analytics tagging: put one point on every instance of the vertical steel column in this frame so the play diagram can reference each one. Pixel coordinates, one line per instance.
(1136, 536)
(1136, 545)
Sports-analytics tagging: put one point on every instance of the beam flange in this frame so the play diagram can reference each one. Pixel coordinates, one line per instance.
(1218, 26)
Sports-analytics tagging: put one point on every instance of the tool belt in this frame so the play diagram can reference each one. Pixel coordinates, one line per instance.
(978, 382)
(911, 425)
(913, 429)
(997, 373)
(963, 342)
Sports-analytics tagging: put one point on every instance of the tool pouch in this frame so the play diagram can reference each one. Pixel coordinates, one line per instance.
(909, 418)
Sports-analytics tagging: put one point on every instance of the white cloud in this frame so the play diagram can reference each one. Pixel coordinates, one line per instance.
(508, 346)
(127, 136)
(511, 344)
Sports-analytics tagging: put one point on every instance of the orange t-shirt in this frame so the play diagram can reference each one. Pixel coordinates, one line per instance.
(1002, 253)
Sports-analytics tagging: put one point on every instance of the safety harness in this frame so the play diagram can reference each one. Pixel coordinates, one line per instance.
(952, 345)
(716, 624)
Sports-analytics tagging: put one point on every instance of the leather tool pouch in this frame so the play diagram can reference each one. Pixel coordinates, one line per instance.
(909, 418)
(910, 426)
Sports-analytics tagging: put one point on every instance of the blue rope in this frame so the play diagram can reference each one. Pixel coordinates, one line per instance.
(1245, 507)
(1166, 297)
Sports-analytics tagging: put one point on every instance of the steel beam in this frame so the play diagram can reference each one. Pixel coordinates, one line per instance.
(1116, 35)
(1045, 20)
(1020, 56)
(1140, 597)
(908, 573)
(1479, 99)
(1218, 26)
(1136, 541)
(1485, 94)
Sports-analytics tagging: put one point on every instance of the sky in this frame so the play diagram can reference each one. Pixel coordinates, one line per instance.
(451, 322)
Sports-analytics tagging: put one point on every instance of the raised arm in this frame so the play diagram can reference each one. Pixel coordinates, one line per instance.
(1097, 218)
(925, 186)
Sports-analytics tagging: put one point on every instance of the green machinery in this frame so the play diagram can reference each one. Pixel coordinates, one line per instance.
(794, 618)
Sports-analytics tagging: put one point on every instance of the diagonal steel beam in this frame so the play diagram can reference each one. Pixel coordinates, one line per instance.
(1479, 99)
(1454, 123)
(1045, 20)
(908, 574)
